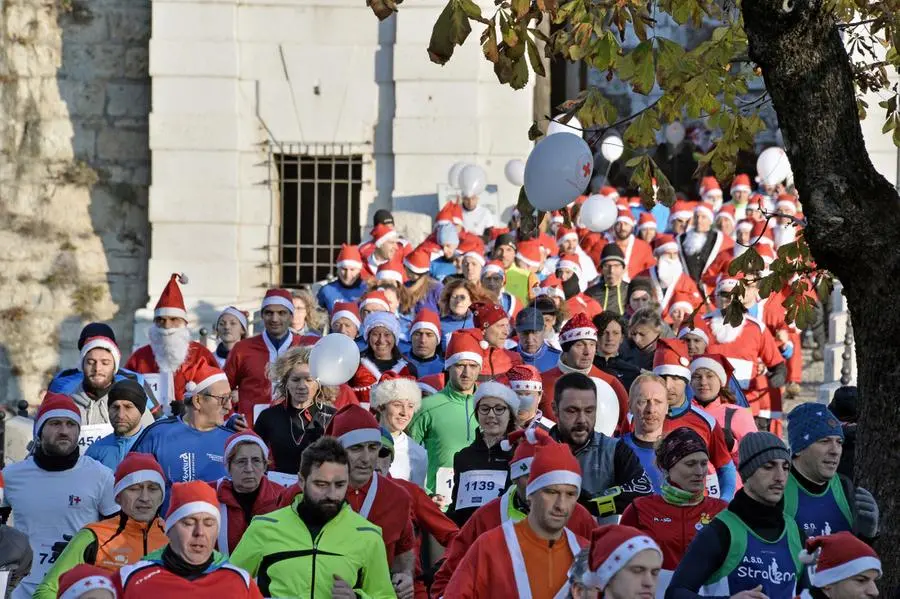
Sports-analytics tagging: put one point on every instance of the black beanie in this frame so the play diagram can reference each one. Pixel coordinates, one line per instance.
(95, 329)
(128, 390)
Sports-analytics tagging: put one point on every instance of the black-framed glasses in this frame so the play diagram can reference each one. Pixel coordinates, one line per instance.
(497, 410)
(223, 400)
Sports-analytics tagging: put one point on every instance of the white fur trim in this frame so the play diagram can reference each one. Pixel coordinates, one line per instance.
(696, 332)
(706, 210)
(554, 477)
(650, 224)
(684, 305)
(500, 391)
(573, 266)
(725, 215)
(392, 234)
(189, 509)
(89, 583)
(670, 246)
(349, 264)
(416, 269)
(389, 275)
(710, 364)
(241, 317)
(422, 324)
(277, 300)
(578, 334)
(399, 389)
(821, 578)
(463, 355)
(516, 470)
(345, 314)
(475, 256)
(531, 263)
(618, 559)
(570, 235)
(374, 300)
(192, 388)
(625, 219)
(247, 439)
(360, 435)
(102, 343)
(735, 188)
(140, 476)
(170, 313)
(727, 284)
(59, 413)
(526, 385)
(493, 268)
(672, 370)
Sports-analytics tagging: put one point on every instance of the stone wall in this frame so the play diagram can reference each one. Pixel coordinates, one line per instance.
(74, 172)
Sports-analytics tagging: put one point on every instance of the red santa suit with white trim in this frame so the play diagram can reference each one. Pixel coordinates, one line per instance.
(171, 360)
(668, 276)
(371, 368)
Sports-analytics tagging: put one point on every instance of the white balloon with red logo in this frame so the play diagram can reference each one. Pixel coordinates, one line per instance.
(598, 213)
(334, 359)
(558, 170)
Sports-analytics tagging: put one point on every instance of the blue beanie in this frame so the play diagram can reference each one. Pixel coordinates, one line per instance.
(447, 235)
(809, 422)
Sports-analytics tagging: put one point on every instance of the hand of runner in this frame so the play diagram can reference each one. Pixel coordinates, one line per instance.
(755, 593)
(403, 585)
(341, 590)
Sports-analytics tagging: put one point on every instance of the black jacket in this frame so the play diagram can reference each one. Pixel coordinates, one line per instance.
(288, 432)
(477, 456)
(623, 370)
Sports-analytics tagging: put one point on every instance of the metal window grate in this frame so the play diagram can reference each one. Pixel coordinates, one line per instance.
(320, 188)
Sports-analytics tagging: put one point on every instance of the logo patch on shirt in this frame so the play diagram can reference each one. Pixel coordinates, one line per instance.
(74, 500)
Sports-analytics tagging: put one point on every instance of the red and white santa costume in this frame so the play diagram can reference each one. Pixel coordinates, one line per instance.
(497, 360)
(638, 254)
(169, 386)
(683, 286)
(381, 234)
(368, 372)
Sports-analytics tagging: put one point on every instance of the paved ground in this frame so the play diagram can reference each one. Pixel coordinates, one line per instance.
(813, 373)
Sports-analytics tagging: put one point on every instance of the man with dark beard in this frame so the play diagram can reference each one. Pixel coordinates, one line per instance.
(319, 528)
(700, 245)
(171, 360)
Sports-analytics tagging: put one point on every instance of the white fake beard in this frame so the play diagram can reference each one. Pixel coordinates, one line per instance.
(724, 332)
(170, 346)
(668, 271)
(739, 250)
(694, 242)
(784, 234)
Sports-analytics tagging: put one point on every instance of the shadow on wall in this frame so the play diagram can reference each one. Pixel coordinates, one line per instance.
(104, 80)
(9, 386)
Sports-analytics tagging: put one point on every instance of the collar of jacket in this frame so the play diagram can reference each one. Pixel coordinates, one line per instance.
(454, 395)
(566, 369)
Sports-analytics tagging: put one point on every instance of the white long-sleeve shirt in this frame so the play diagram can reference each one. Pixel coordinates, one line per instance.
(410, 460)
(477, 220)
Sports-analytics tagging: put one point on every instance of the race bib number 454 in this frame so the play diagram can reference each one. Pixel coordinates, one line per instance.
(90, 433)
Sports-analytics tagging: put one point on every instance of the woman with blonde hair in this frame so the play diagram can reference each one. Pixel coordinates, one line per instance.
(301, 413)
(395, 400)
(308, 318)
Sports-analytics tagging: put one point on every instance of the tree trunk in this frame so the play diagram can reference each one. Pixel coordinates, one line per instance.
(853, 224)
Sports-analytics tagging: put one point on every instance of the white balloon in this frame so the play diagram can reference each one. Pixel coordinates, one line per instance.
(558, 171)
(572, 126)
(612, 148)
(515, 172)
(598, 213)
(453, 174)
(773, 166)
(334, 359)
(472, 180)
(675, 133)
(607, 408)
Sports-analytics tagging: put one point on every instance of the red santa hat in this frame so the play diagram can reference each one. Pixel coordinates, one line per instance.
(564, 234)
(472, 247)
(485, 314)
(682, 300)
(709, 187)
(189, 499)
(608, 191)
(647, 221)
(524, 378)
(625, 215)
(171, 302)
(744, 225)
(465, 344)
(203, 379)
(353, 425)
(681, 210)
(529, 252)
(741, 183)
(577, 328)
(56, 405)
(427, 320)
(570, 262)
(346, 310)
(494, 267)
(418, 261)
(101, 343)
(664, 242)
(477, 256)
(82, 579)
(612, 547)
(553, 464)
(551, 287)
(705, 208)
(726, 212)
(671, 358)
(377, 298)
(527, 442)
(557, 217)
(247, 436)
(450, 213)
(349, 257)
(391, 271)
(786, 204)
(634, 202)
(685, 331)
(240, 315)
(383, 233)
(717, 363)
(138, 468)
(278, 297)
(837, 557)
(760, 231)
(728, 283)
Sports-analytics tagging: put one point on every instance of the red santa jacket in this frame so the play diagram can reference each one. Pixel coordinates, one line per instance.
(143, 362)
(684, 285)
(584, 303)
(384, 503)
(233, 522)
(638, 256)
(150, 580)
(498, 361)
(428, 519)
(745, 346)
(495, 565)
(705, 425)
(367, 374)
(605, 383)
(246, 369)
(672, 527)
(488, 517)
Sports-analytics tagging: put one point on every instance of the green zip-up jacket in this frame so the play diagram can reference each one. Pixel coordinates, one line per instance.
(278, 550)
(444, 424)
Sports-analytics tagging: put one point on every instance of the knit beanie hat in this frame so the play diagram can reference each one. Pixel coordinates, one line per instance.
(500, 391)
(837, 557)
(757, 449)
(384, 320)
(844, 404)
(95, 329)
(678, 444)
(809, 422)
(128, 390)
(82, 579)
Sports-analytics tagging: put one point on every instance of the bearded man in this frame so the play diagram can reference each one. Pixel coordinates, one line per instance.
(700, 245)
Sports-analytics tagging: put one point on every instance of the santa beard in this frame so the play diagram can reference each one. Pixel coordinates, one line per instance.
(784, 234)
(694, 242)
(668, 271)
(739, 250)
(170, 346)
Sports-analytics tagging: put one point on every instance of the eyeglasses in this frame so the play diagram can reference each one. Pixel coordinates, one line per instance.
(223, 400)
(459, 298)
(257, 463)
(497, 410)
